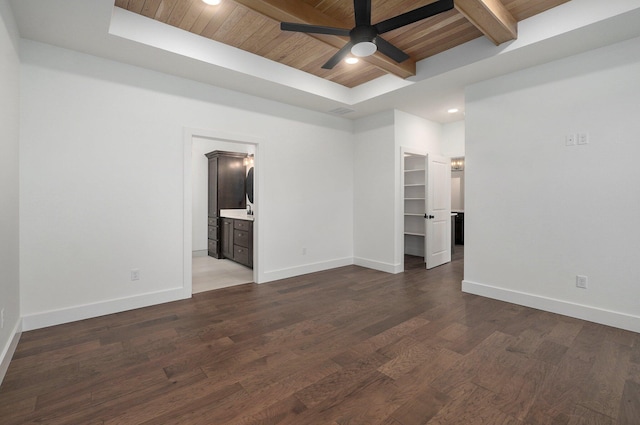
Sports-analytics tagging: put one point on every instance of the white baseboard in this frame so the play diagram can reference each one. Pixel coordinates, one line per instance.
(378, 265)
(87, 311)
(7, 351)
(579, 311)
(305, 269)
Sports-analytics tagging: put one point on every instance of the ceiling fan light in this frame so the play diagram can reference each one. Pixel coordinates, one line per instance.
(364, 48)
(211, 2)
(351, 60)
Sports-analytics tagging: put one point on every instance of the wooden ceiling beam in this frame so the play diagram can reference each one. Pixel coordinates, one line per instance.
(490, 17)
(303, 13)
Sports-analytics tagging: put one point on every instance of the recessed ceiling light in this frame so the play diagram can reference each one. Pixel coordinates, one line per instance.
(351, 60)
(212, 2)
(453, 110)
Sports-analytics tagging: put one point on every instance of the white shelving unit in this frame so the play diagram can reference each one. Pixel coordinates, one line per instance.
(414, 204)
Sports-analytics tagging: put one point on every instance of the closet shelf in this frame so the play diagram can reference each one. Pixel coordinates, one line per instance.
(413, 234)
(414, 199)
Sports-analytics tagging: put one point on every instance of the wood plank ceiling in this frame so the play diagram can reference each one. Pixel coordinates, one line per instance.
(254, 26)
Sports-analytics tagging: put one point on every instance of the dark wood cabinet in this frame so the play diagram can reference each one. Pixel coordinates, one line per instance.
(237, 240)
(227, 238)
(226, 191)
(460, 228)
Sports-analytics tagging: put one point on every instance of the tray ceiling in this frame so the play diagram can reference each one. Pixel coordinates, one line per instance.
(254, 26)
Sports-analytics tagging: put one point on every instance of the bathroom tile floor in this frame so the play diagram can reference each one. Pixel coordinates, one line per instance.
(211, 273)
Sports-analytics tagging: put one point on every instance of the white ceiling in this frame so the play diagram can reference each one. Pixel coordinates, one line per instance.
(96, 27)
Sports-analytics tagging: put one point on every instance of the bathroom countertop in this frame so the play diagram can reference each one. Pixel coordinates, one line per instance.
(240, 214)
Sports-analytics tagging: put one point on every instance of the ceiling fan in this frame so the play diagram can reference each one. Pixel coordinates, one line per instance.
(364, 38)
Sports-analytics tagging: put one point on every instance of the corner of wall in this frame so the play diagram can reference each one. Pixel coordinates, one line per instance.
(304, 269)
(9, 349)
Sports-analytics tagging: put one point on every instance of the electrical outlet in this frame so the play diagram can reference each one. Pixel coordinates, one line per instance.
(581, 281)
(570, 140)
(135, 274)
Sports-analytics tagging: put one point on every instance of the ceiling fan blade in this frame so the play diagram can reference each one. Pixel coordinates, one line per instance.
(390, 50)
(362, 11)
(313, 29)
(342, 53)
(414, 16)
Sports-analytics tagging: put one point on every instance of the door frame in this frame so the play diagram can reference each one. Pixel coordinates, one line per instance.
(400, 202)
(225, 136)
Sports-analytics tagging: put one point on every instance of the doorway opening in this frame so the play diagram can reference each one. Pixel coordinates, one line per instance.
(426, 215)
(204, 272)
(457, 205)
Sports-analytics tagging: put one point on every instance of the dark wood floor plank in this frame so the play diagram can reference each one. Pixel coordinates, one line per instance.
(345, 380)
(420, 408)
(343, 346)
(583, 416)
(607, 379)
(561, 391)
(471, 404)
(629, 412)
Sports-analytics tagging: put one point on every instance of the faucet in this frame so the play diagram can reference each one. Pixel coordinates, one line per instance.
(249, 211)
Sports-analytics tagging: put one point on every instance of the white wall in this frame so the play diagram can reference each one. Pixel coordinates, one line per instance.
(200, 184)
(9, 221)
(457, 191)
(375, 181)
(378, 221)
(539, 212)
(415, 132)
(103, 187)
(453, 139)
(453, 146)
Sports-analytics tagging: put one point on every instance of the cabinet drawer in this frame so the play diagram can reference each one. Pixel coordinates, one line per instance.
(214, 232)
(241, 224)
(241, 238)
(241, 254)
(213, 221)
(213, 247)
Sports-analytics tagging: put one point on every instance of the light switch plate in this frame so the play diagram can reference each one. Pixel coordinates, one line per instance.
(583, 138)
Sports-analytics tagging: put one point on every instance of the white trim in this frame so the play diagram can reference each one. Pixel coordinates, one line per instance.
(379, 265)
(306, 269)
(7, 352)
(188, 135)
(200, 253)
(399, 212)
(87, 311)
(566, 308)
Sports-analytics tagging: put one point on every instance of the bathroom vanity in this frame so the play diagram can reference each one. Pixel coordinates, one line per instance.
(237, 236)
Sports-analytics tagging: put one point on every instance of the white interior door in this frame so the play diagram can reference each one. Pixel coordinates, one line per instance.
(438, 211)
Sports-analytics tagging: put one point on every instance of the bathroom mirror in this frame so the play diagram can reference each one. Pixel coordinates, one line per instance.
(249, 185)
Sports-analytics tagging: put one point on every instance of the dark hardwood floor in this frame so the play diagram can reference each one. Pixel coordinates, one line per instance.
(345, 346)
